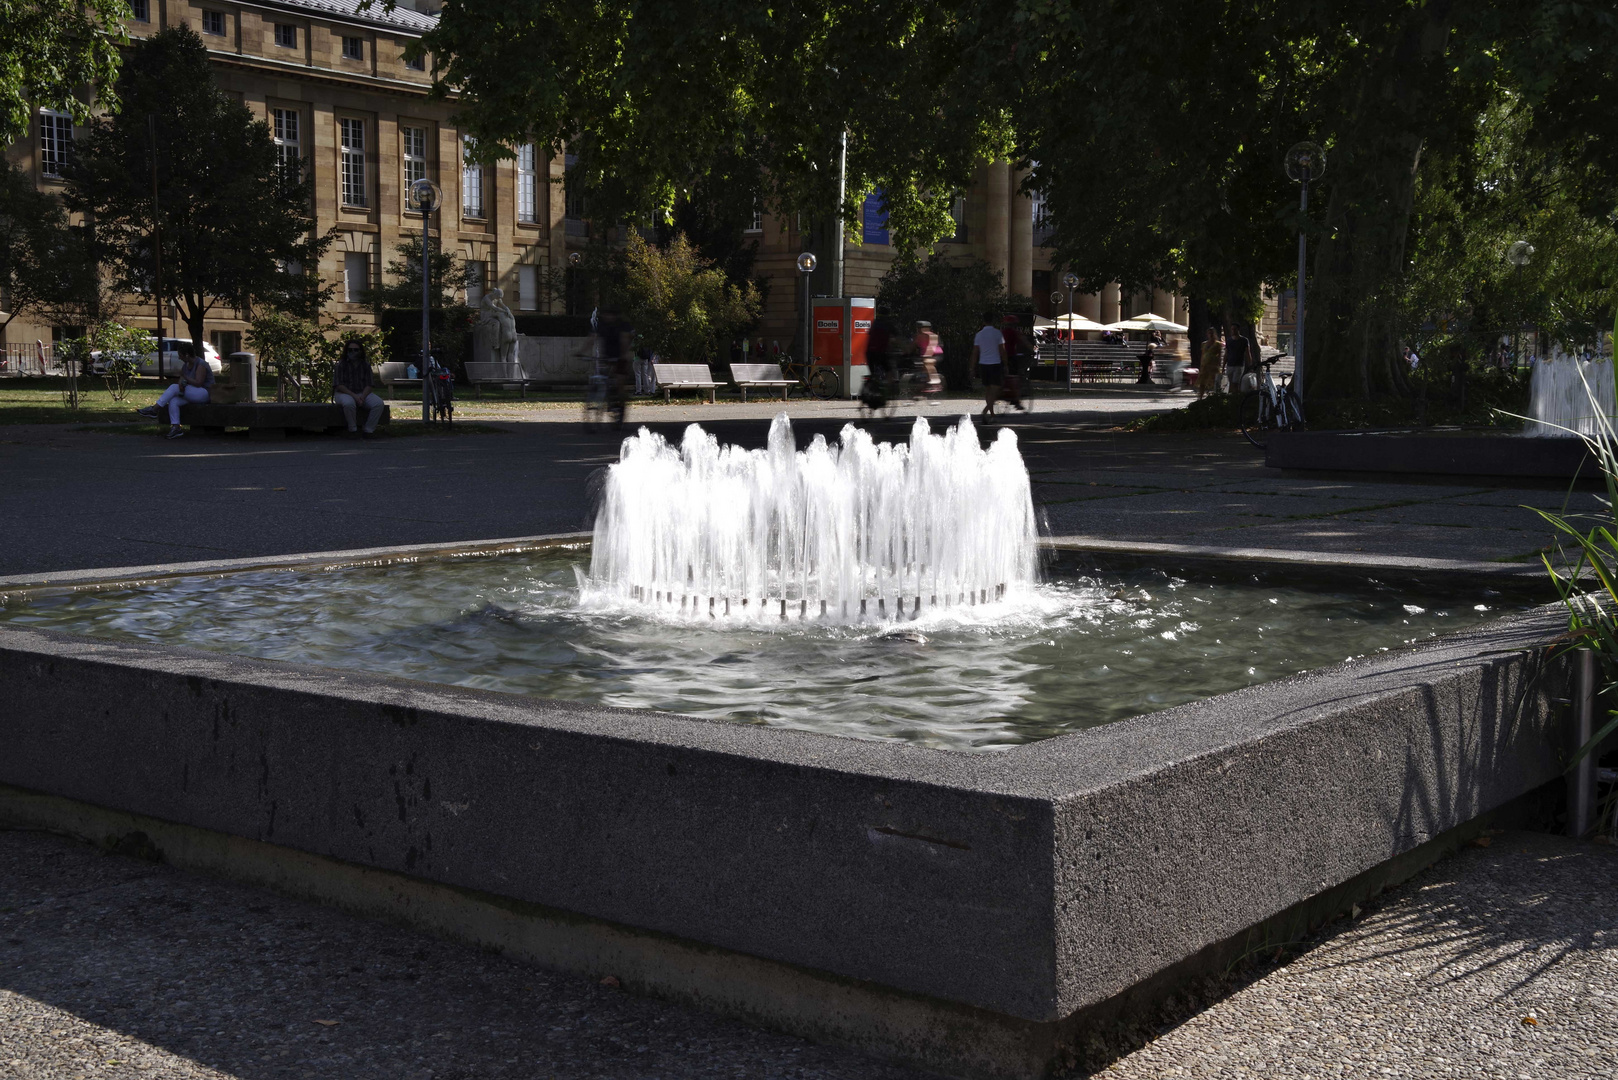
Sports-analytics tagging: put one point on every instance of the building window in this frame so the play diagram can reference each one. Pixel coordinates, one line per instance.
(356, 276)
(527, 288)
(755, 224)
(415, 154)
(55, 142)
(527, 183)
(416, 63)
(471, 181)
(288, 147)
(476, 276)
(141, 10)
(286, 36)
(213, 22)
(574, 206)
(353, 139)
(353, 48)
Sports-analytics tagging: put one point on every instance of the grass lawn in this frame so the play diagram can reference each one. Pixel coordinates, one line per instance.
(39, 401)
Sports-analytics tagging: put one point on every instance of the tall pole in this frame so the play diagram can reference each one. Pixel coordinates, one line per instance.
(157, 244)
(1303, 258)
(1070, 333)
(837, 219)
(426, 312)
(808, 328)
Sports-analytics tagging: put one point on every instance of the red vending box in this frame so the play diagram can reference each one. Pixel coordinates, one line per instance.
(841, 328)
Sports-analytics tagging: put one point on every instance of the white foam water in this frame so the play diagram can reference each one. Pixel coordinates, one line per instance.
(855, 532)
(1568, 396)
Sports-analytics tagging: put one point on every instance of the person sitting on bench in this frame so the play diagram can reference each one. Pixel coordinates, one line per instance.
(192, 386)
(351, 388)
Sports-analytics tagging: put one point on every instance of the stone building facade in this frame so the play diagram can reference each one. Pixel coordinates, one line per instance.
(332, 82)
(334, 86)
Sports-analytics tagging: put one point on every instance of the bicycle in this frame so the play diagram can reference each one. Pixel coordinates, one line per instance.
(1271, 406)
(824, 381)
(440, 390)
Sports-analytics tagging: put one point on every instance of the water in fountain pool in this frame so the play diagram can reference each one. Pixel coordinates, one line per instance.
(1079, 649)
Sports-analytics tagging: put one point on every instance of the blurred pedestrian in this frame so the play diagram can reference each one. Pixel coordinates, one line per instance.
(1236, 361)
(1210, 362)
(928, 351)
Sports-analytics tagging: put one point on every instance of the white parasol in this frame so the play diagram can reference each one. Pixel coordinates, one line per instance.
(1147, 321)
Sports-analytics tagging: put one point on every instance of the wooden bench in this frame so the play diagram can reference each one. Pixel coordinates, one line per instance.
(749, 376)
(270, 419)
(671, 377)
(496, 374)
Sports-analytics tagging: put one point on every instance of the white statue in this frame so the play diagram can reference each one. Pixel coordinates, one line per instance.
(494, 337)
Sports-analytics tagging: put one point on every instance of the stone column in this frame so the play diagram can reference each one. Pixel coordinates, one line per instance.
(997, 199)
(1088, 305)
(1163, 304)
(1020, 242)
(1110, 304)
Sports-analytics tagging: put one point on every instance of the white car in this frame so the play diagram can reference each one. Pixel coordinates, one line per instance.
(171, 359)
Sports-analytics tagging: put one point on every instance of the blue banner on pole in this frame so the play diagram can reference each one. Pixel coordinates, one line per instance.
(876, 219)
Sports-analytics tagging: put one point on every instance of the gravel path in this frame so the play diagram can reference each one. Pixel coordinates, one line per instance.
(115, 968)
(1499, 962)
(112, 967)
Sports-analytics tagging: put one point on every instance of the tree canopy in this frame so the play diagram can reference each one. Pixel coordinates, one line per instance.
(45, 263)
(54, 55)
(1156, 129)
(234, 231)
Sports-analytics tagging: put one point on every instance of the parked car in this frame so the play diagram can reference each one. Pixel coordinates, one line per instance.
(171, 362)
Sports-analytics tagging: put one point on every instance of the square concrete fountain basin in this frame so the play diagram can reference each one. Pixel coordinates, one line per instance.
(975, 913)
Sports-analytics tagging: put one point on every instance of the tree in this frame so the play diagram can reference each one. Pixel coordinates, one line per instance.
(680, 304)
(1164, 165)
(651, 97)
(287, 342)
(51, 53)
(448, 271)
(231, 223)
(45, 264)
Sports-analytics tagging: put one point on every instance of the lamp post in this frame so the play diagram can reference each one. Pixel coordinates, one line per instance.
(1305, 161)
(806, 266)
(424, 197)
(1519, 255)
(1070, 281)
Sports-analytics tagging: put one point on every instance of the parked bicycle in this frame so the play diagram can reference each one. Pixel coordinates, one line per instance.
(1272, 407)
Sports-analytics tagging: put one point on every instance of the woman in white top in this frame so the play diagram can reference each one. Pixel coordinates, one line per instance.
(195, 379)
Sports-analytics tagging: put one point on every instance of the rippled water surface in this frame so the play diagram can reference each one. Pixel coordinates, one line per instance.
(1087, 649)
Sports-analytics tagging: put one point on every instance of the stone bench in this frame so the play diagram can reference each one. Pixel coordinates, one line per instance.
(269, 419)
(747, 376)
(671, 377)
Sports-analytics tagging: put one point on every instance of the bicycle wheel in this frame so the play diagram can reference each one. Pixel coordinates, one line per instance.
(1255, 415)
(824, 383)
(1293, 415)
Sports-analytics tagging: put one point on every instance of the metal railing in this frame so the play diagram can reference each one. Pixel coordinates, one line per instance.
(21, 359)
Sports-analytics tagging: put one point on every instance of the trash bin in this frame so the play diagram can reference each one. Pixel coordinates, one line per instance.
(244, 373)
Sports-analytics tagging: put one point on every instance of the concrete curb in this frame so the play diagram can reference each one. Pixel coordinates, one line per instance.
(315, 560)
(1369, 565)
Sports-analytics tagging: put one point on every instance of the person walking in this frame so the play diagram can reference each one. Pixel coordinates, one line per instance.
(196, 377)
(989, 357)
(928, 351)
(1209, 363)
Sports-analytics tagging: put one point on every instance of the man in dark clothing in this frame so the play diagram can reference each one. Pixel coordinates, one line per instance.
(1236, 351)
(615, 347)
(351, 388)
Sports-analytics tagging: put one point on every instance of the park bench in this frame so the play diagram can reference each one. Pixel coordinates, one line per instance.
(268, 419)
(749, 376)
(394, 375)
(496, 374)
(671, 377)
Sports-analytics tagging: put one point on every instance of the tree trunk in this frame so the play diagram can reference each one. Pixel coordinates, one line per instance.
(1350, 343)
